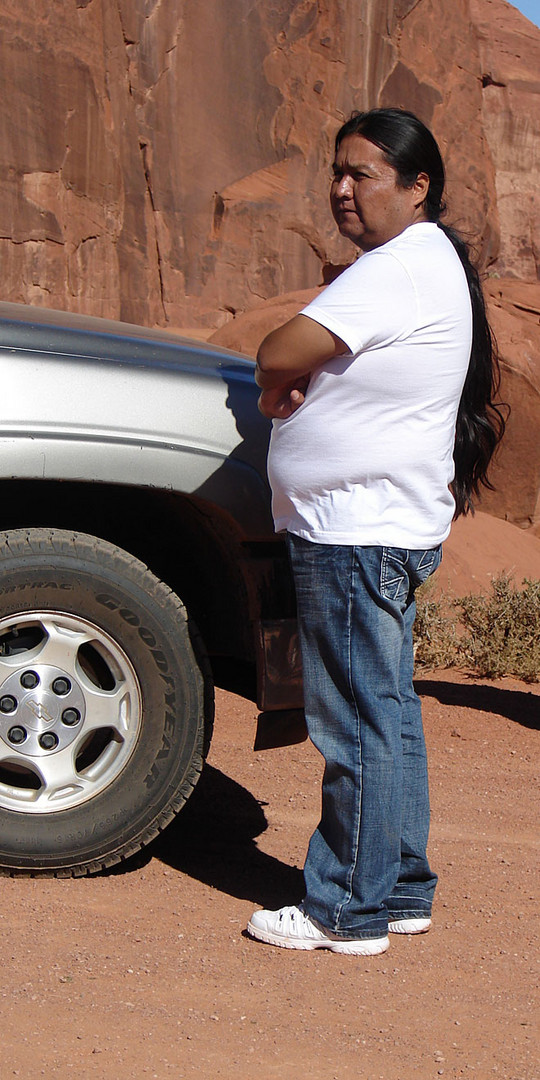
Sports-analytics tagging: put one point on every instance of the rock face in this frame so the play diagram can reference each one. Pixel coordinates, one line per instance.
(172, 168)
(77, 225)
(514, 309)
(167, 164)
(511, 122)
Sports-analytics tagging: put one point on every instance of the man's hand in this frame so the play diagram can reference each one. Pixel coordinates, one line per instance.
(282, 401)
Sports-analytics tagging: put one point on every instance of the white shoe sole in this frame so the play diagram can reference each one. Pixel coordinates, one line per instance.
(363, 947)
(409, 926)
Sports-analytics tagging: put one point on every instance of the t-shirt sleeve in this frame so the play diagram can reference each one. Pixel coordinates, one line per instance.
(372, 303)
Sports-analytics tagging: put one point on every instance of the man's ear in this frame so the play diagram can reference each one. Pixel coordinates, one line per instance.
(421, 188)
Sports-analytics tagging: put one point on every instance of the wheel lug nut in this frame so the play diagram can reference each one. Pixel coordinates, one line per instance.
(71, 717)
(29, 680)
(61, 686)
(16, 735)
(8, 703)
(48, 740)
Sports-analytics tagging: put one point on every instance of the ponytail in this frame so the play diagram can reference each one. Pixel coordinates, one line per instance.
(481, 421)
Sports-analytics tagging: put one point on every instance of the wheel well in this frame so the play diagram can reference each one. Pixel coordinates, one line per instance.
(192, 545)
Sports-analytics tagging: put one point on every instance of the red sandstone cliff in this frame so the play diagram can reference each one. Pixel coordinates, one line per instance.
(167, 163)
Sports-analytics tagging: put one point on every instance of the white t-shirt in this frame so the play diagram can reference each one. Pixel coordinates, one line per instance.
(368, 457)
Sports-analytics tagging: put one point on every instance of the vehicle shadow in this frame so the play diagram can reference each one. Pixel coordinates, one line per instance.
(228, 488)
(213, 840)
(516, 705)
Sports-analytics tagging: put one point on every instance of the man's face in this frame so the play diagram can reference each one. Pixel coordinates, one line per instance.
(367, 202)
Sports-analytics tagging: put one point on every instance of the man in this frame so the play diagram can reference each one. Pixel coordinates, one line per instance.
(381, 396)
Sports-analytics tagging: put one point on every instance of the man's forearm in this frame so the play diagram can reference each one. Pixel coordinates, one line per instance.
(270, 380)
(293, 351)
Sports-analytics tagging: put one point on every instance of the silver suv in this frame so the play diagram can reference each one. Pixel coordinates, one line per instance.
(138, 566)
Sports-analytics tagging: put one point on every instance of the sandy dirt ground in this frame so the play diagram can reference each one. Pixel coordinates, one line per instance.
(147, 971)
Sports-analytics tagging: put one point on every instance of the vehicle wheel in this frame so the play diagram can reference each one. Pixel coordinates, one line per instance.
(105, 703)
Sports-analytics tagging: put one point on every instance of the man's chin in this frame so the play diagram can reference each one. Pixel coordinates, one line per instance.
(350, 230)
(353, 231)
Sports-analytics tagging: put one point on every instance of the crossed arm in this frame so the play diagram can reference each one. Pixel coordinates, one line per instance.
(285, 361)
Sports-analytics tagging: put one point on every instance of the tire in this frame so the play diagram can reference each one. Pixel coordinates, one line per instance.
(106, 703)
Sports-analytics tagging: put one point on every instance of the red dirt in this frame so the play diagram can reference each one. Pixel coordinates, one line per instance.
(147, 972)
(480, 548)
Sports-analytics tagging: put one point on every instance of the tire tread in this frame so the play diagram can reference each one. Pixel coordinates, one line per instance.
(19, 544)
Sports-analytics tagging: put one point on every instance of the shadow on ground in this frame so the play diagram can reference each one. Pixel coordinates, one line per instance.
(517, 705)
(213, 837)
(213, 840)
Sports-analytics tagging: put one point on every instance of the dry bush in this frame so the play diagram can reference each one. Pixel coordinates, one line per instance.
(503, 630)
(493, 635)
(435, 635)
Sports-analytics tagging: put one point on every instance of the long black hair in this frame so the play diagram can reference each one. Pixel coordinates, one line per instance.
(410, 148)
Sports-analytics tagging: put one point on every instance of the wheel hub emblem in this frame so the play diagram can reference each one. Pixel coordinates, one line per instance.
(39, 710)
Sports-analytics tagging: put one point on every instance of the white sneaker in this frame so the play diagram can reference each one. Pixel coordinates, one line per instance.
(408, 926)
(291, 928)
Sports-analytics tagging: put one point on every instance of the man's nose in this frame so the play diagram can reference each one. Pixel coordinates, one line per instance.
(344, 188)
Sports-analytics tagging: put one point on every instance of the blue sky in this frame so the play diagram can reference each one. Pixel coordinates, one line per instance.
(530, 8)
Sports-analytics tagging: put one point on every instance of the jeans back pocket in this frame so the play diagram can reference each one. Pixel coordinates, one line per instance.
(403, 570)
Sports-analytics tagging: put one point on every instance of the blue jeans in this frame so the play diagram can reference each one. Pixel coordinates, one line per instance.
(367, 858)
